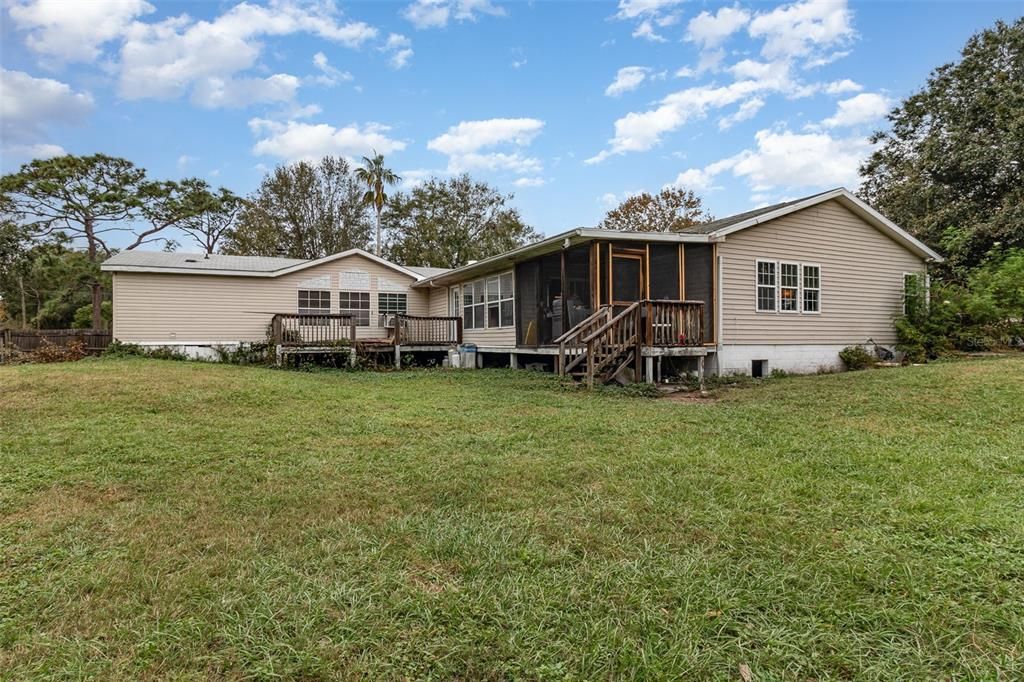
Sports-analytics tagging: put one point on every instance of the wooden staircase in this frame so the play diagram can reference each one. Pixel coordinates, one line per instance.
(607, 343)
(604, 344)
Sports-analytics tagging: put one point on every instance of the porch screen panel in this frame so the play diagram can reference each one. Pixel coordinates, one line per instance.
(577, 296)
(699, 281)
(528, 303)
(664, 267)
(551, 297)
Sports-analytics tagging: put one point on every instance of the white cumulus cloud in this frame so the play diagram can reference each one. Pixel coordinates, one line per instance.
(74, 33)
(808, 29)
(29, 106)
(425, 14)
(863, 108)
(293, 141)
(628, 78)
(710, 30)
(400, 49)
(841, 87)
(329, 74)
(166, 59)
(783, 159)
(466, 142)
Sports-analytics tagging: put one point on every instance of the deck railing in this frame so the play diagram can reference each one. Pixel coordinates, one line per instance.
(321, 329)
(674, 323)
(421, 330)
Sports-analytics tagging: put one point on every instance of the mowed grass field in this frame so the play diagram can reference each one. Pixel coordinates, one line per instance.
(180, 520)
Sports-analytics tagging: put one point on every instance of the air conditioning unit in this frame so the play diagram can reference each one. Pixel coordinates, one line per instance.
(388, 320)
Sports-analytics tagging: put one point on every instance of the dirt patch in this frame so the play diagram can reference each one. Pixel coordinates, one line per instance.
(691, 397)
(62, 503)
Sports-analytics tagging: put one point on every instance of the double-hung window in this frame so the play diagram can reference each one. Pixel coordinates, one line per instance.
(789, 287)
(766, 286)
(812, 288)
(391, 304)
(356, 304)
(314, 301)
(488, 303)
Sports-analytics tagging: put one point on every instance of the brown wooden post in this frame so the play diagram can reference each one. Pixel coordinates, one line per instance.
(565, 300)
(639, 341)
(590, 364)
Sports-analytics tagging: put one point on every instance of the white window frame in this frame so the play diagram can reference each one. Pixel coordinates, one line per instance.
(758, 285)
(481, 307)
(313, 311)
(777, 296)
(804, 311)
(798, 288)
(356, 313)
(382, 315)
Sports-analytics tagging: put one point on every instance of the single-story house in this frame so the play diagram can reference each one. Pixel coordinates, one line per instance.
(781, 287)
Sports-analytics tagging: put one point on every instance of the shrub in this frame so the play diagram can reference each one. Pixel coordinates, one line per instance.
(118, 349)
(986, 313)
(855, 357)
(244, 354)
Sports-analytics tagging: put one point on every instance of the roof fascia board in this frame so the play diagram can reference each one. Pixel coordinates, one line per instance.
(576, 236)
(156, 269)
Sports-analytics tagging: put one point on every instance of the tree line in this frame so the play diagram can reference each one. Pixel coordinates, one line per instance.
(949, 168)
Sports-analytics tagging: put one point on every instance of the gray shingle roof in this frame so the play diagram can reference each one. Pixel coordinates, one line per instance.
(200, 261)
(721, 223)
(424, 271)
(216, 262)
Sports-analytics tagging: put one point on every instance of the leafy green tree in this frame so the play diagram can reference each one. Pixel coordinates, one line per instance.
(48, 284)
(446, 223)
(98, 201)
(951, 169)
(302, 210)
(214, 214)
(670, 210)
(376, 177)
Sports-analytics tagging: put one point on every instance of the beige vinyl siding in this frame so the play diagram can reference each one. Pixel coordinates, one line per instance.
(437, 305)
(177, 308)
(861, 279)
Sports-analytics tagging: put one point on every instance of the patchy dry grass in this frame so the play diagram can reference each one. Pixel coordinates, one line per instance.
(166, 519)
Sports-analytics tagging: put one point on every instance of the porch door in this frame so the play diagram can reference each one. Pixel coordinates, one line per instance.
(627, 279)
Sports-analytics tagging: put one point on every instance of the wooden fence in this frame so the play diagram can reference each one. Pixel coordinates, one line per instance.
(27, 340)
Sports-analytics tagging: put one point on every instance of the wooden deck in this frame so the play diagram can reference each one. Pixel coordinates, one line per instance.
(331, 333)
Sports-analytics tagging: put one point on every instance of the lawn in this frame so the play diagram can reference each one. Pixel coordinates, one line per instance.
(170, 519)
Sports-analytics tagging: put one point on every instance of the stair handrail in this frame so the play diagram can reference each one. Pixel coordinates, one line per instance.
(612, 322)
(571, 337)
(609, 328)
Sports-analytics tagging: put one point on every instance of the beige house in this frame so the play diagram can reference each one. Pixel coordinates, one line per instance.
(781, 287)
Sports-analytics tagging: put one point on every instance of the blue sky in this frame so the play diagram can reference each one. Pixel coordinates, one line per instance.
(571, 106)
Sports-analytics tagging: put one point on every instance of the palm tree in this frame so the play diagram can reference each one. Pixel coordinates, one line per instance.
(375, 176)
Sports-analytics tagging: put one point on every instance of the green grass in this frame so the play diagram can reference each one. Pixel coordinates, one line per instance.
(184, 520)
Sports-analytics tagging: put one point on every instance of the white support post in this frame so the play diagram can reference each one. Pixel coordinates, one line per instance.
(700, 372)
(398, 356)
(649, 369)
(513, 360)
(352, 359)
(279, 353)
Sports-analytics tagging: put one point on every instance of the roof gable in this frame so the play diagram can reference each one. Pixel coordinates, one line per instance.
(743, 221)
